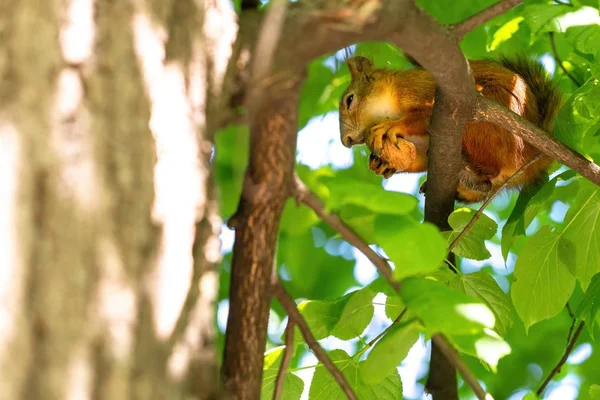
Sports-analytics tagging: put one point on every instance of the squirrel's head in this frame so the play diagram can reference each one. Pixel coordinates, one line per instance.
(367, 99)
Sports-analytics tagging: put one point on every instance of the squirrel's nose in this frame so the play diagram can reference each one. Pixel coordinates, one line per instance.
(350, 140)
(347, 141)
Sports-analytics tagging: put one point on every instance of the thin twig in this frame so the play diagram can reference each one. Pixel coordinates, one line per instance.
(563, 360)
(489, 199)
(571, 330)
(287, 358)
(460, 365)
(559, 61)
(304, 195)
(290, 307)
(398, 319)
(466, 26)
(573, 321)
(568, 307)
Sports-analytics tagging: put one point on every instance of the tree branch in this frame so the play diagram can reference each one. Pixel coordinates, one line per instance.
(304, 195)
(287, 358)
(466, 26)
(489, 199)
(288, 303)
(466, 373)
(490, 111)
(563, 360)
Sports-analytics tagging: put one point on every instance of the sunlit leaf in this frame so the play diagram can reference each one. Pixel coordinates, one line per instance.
(293, 385)
(325, 387)
(370, 196)
(345, 317)
(472, 244)
(582, 228)
(543, 18)
(543, 283)
(414, 248)
(590, 305)
(482, 286)
(486, 346)
(445, 310)
(595, 392)
(505, 32)
(389, 351)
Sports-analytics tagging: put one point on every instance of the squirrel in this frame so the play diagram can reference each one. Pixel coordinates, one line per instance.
(389, 110)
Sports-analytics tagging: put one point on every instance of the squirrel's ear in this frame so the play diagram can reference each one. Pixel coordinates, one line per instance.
(359, 66)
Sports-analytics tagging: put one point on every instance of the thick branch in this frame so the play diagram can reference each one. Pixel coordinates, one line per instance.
(290, 307)
(466, 26)
(489, 111)
(266, 188)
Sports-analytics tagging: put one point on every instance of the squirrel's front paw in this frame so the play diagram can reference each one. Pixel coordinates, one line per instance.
(380, 167)
(395, 153)
(379, 133)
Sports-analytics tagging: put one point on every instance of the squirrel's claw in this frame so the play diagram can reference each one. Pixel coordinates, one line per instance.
(380, 167)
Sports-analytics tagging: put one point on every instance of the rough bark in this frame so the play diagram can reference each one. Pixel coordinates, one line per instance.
(92, 228)
(267, 186)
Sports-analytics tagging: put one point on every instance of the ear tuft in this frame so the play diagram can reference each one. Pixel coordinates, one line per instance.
(359, 66)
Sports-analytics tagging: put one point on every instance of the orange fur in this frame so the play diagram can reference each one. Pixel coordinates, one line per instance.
(395, 106)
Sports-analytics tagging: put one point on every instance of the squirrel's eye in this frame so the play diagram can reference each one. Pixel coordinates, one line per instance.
(349, 100)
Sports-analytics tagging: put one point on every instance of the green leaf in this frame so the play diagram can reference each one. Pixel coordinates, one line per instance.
(595, 392)
(325, 387)
(531, 396)
(505, 32)
(393, 306)
(471, 245)
(542, 18)
(445, 310)
(579, 116)
(370, 196)
(486, 346)
(543, 283)
(414, 248)
(531, 201)
(482, 286)
(590, 305)
(582, 228)
(345, 318)
(296, 219)
(293, 385)
(584, 38)
(388, 353)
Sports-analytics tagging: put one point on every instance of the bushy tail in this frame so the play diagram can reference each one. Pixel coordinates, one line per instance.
(548, 95)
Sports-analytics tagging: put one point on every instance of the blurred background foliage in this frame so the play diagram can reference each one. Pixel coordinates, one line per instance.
(316, 265)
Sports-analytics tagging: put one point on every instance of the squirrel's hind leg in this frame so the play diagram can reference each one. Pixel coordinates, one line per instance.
(472, 187)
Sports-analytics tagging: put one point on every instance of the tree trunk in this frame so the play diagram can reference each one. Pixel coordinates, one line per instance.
(108, 219)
